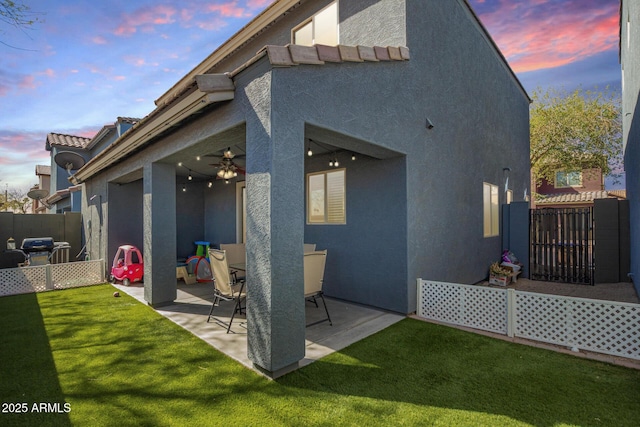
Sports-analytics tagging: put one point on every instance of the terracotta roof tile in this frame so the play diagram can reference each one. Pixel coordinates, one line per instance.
(130, 120)
(291, 55)
(67, 140)
(367, 53)
(621, 194)
(43, 170)
(583, 197)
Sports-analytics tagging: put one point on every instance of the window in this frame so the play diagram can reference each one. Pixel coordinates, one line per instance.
(326, 197)
(322, 28)
(568, 179)
(491, 209)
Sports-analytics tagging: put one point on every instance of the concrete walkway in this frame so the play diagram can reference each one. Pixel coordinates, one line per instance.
(351, 322)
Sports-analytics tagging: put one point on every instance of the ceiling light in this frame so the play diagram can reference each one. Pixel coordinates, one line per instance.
(198, 158)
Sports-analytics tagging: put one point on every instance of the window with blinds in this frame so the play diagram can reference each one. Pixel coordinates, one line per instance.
(326, 197)
(490, 210)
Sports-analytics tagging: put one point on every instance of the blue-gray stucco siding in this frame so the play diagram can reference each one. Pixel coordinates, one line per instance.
(630, 62)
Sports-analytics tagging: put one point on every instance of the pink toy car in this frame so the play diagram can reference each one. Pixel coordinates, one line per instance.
(128, 266)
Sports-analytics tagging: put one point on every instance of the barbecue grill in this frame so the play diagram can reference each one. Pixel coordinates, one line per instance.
(37, 249)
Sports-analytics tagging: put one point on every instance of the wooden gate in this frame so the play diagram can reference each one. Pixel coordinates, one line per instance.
(562, 245)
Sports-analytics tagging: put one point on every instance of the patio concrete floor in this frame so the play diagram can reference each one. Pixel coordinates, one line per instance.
(351, 322)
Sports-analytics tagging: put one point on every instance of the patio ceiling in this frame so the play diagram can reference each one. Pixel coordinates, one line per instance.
(201, 160)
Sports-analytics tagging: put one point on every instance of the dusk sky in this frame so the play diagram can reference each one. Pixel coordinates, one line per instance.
(90, 62)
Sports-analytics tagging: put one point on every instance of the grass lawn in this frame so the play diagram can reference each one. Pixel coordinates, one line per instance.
(116, 362)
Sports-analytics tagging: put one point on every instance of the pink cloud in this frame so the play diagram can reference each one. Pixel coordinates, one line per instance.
(145, 19)
(135, 61)
(22, 145)
(48, 72)
(536, 35)
(213, 24)
(258, 4)
(99, 40)
(229, 10)
(27, 82)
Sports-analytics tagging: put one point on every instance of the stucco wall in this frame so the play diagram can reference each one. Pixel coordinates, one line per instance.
(220, 213)
(481, 124)
(360, 23)
(367, 256)
(630, 62)
(190, 217)
(125, 217)
(480, 114)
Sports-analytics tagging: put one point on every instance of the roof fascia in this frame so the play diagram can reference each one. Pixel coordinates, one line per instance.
(260, 22)
(145, 130)
(100, 136)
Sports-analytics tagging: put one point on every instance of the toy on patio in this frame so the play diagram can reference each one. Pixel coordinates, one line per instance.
(128, 266)
(200, 267)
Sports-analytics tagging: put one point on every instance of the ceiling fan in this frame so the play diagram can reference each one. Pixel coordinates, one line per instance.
(227, 168)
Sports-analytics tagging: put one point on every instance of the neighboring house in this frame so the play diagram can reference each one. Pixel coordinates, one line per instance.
(43, 172)
(630, 64)
(63, 196)
(412, 116)
(574, 189)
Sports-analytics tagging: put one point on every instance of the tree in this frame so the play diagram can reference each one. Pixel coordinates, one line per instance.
(15, 200)
(17, 14)
(19, 202)
(575, 131)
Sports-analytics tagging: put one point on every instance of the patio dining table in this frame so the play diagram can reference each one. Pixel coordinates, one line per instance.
(239, 266)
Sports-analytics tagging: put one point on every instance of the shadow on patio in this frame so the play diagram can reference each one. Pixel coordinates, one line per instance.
(351, 322)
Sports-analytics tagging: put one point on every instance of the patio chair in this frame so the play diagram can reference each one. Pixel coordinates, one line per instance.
(227, 287)
(236, 252)
(314, 263)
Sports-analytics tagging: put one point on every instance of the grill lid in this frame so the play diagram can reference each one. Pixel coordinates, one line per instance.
(35, 244)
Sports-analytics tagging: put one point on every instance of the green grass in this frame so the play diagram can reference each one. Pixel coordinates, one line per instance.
(117, 362)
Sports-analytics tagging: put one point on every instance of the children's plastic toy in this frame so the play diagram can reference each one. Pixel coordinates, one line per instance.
(128, 266)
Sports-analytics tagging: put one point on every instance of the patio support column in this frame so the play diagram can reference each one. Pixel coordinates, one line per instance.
(275, 234)
(159, 249)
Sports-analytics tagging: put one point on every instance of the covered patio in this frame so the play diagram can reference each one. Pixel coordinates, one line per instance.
(351, 322)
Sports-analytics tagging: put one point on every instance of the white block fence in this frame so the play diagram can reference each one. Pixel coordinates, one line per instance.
(22, 280)
(578, 323)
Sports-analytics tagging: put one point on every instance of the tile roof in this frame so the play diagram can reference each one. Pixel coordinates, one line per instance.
(66, 140)
(292, 55)
(583, 197)
(621, 194)
(131, 120)
(43, 170)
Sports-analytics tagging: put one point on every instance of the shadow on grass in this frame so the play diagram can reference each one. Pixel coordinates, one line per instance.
(27, 366)
(437, 366)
